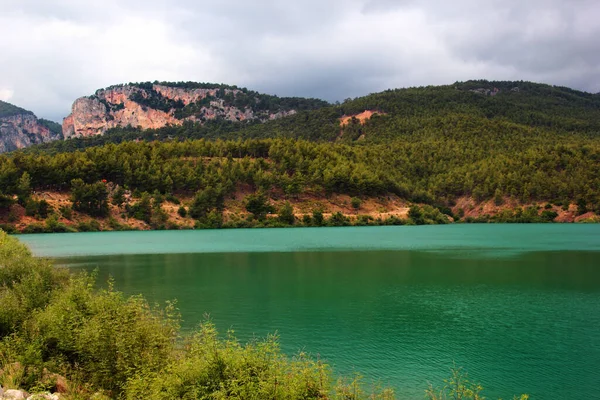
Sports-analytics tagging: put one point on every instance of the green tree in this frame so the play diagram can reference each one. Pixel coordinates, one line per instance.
(118, 197)
(90, 198)
(286, 214)
(258, 205)
(24, 188)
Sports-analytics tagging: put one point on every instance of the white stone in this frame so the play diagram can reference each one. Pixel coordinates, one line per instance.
(12, 394)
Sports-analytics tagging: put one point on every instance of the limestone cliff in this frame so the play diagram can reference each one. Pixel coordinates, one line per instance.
(154, 105)
(21, 128)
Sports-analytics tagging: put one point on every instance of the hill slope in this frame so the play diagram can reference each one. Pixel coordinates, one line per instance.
(20, 128)
(486, 151)
(155, 105)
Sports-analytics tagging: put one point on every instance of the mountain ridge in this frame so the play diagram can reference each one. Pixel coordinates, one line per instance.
(20, 128)
(151, 105)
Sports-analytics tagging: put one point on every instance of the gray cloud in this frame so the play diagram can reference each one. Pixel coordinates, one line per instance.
(55, 51)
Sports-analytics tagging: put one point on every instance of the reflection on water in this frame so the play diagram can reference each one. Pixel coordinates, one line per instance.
(528, 322)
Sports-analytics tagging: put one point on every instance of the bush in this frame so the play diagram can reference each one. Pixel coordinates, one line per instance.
(172, 199)
(38, 209)
(182, 212)
(338, 219)
(89, 226)
(317, 218)
(52, 225)
(66, 212)
(35, 228)
(286, 214)
(356, 203)
(426, 215)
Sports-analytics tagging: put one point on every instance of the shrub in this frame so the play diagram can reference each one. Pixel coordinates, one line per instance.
(66, 212)
(286, 214)
(182, 212)
(338, 219)
(89, 226)
(35, 228)
(356, 203)
(8, 228)
(317, 217)
(172, 199)
(39, 209)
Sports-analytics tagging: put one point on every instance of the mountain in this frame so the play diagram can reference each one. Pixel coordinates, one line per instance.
(474, 151)
(155, 105)
(20, 128)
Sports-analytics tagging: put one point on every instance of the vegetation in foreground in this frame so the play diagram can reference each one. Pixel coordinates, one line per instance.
(59, 334)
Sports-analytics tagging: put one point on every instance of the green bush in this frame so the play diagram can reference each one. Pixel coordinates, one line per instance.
(89, 226)
(8, 228)
(356, 203)
(286, 214)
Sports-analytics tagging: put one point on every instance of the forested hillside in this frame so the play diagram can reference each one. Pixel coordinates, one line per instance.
(7, 110)
(474, 151)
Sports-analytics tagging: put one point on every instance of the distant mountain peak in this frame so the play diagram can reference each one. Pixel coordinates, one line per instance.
(151, 105)
(20, 128)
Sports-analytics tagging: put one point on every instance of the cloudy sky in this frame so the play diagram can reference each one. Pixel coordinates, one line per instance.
(53, 51)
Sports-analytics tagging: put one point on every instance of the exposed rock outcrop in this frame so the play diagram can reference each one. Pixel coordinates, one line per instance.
(151, 106)
(20, 128)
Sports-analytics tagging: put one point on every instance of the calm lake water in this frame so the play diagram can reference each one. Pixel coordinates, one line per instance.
(517, 305)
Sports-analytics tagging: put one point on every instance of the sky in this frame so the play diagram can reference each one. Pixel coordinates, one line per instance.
(54, 51)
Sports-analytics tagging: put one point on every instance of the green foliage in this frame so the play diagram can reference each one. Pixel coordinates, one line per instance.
(205, 201)
(317, 217)
(459, 387)
(427, 145)
(55, 128)
(356, 203)
(38, 209)
(286, 214)
(90, 226)
(53, 225)
(426, 215)
(172, 199)
(90, 198)
(142, 210)
(258, 205)
(23, 190)
(338, 219)
(7, 110)
(8, 228)
(117, 198)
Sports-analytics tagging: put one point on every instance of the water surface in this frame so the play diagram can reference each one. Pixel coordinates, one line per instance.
(516, 305)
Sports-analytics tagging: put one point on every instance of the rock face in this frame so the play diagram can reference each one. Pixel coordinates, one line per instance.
(20, 128)
(155, 105)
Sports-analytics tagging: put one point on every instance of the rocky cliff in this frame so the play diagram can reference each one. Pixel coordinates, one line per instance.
(21, 128)
(154, 105)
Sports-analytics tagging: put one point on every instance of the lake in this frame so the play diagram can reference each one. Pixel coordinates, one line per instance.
(518, 306)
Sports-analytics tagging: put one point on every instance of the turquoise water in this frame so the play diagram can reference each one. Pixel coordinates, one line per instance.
(517, 305)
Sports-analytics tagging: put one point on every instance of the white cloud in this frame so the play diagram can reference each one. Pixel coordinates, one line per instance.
(6, 94)
(61, 49)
